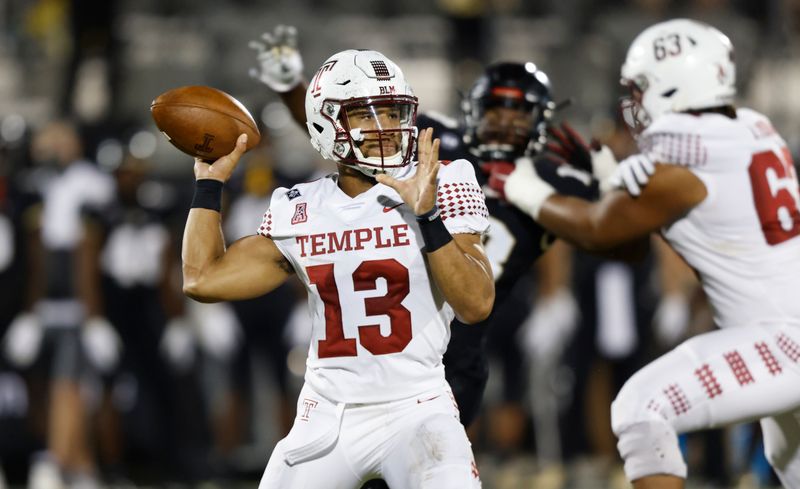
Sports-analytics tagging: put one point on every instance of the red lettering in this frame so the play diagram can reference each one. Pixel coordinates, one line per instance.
(378, 243)
(327, 243)
(302, 240)
(335, 244)
(317, 244)
(400, 232)
(362, 235)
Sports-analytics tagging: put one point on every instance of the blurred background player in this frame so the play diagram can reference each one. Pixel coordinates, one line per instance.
(133, 250)
(64, 318)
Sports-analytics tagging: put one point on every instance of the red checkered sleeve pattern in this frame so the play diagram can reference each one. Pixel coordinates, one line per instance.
(675, 148)
(266, 224)
(461, 200)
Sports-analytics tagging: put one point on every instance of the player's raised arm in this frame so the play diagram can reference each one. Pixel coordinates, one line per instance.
(251, 267)
(280, 67)
(458, 263)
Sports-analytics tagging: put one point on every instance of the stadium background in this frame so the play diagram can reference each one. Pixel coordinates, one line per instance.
(100, 63)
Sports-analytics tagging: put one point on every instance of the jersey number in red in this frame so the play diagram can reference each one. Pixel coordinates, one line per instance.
(774, 190)
(365, 277)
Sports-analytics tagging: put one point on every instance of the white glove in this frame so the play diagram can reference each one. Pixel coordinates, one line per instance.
(671, 319)
(101, 343)
(23, 340)
(632, 174)
(280, 64)
(177, 343)
(604, 163)
(525, 189)
(549, 327)
(218, 330)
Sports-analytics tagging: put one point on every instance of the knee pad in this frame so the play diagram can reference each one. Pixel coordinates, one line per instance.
(650, 448)
(782, 447)
(647, 442)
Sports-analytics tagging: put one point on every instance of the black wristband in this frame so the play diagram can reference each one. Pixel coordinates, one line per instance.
(207, 194)
(430, 215)
(434, 233)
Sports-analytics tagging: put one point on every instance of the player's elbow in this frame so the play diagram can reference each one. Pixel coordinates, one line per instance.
(478, 309)
(194, 288)
(194, 292)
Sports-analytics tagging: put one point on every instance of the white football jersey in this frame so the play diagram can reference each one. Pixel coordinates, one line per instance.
(743, 238)
(379, 323)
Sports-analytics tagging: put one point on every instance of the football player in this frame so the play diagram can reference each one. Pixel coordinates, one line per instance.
(724, 194)
(507, 114)
(389, 251)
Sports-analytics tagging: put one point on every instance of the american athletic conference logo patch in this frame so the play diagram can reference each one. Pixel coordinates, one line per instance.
(299, 213)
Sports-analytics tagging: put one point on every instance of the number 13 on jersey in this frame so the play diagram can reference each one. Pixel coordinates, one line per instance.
(365, 277)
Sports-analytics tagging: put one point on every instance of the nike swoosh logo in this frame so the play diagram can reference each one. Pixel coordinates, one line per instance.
(426, 400)
(387, 209)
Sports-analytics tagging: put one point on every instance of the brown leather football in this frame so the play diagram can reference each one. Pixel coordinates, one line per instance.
(202, 121)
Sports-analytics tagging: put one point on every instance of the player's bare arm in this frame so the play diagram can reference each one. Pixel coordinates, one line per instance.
(294, 100)
(618, 218)
(251, 267)
(462, 261)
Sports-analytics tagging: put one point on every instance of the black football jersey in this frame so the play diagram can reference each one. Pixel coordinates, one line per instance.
(514, 240)
(513, 244)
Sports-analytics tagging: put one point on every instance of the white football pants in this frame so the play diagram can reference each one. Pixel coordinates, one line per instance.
(718, 378)
(415, 443)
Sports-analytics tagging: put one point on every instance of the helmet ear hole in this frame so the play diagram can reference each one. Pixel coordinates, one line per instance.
(669, 93)
(318, 128)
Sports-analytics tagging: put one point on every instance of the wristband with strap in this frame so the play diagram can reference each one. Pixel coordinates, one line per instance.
(434, 233)
(430, 215)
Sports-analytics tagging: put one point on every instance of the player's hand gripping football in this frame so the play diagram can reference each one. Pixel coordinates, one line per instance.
(222, 169)
(280, 65)
(419, 191)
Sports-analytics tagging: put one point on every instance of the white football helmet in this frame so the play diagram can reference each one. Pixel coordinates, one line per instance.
(676, 66)
(371, 85)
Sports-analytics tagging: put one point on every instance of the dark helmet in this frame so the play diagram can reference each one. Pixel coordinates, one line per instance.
(512, 85)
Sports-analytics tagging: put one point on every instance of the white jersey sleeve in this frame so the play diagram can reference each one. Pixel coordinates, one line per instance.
(675, 139)
(461, 199)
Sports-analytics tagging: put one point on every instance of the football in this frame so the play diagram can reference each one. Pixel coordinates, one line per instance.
(202, 121)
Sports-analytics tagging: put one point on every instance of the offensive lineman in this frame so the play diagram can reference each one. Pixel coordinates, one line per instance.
(725, 195)
(375, 402)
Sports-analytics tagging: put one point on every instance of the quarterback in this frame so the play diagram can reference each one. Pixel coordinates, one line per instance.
(724, 194)
(389, 251)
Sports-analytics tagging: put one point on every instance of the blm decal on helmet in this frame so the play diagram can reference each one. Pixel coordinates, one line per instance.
(381, 71)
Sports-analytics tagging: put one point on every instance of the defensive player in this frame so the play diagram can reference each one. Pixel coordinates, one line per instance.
(375, 402)
(725, 195)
